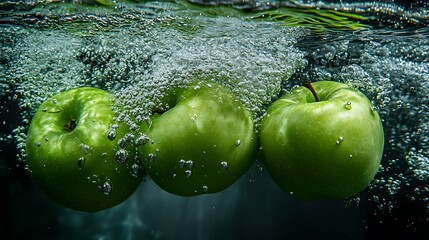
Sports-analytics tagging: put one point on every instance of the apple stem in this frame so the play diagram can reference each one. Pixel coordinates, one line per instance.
(310, 87)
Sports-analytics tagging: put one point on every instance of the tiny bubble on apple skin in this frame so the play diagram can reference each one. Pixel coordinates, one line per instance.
(121, 143)
(182, 163)
(150, 157)
(121, 156)
(348, 105)
(81, 162)
(142, 140)
(85, 149)
(107, 188)
(190, 163)
(339, 141)
(135, 168)
(93, 179)
(112, 132)
(188, 173)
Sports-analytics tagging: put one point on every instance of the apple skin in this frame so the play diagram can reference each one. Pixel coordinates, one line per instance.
(80, 168)
(329, 149)
(201, 145)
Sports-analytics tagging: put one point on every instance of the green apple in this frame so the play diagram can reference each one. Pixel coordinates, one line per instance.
(329, 148)
(78, 154)
(203, 144)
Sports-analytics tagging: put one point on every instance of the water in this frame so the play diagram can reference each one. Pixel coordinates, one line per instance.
(135, 50)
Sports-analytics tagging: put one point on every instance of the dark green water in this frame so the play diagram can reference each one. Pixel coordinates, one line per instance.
(132, 49)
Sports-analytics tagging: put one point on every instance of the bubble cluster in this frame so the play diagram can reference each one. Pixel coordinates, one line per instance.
(139, 63)
(340, 140)
(252, 64)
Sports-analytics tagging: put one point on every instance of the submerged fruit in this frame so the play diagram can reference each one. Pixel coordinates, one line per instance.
(322, 143)
(202, 145)
(78, 154)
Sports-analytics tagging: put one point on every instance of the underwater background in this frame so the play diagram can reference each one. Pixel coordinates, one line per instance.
(260, 50)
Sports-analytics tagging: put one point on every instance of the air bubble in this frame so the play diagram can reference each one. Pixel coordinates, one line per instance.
(107, 188)
(350, 156)
(135, 168)
(38, 144)
(188, 173)
(85, 149)
(121, 156)
(129, 137)
(54, 101)
(205, 188)
(94, 179)
(182, 163)
(121, 142)
(150, 157)
(340, 140)
(150, 105)
(224, 165)
(348, 105)
(142, 140)
(111, 134)
(189, 163)
(44, 109)
(237, 143)
(81, 162)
